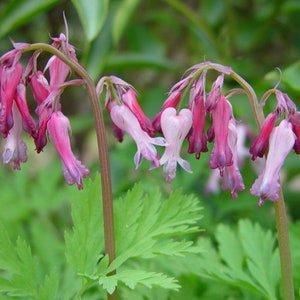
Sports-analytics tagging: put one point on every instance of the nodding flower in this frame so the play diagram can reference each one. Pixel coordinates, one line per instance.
(175, 128)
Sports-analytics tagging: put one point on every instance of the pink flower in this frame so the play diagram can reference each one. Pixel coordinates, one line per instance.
(267, 185)
(172, 101)
(197, 139)
(232, 179)
(15, 149)
(125, 120)
(260, 144)
(175, 128)
(21, 101)
(221, 154)
(215, 93)
(73, 170)
(10, 78)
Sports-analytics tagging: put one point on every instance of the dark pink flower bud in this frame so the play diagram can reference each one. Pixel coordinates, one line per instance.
(260, 144)
(221, 154)
(197, 139)
(27, 120)
(129, 99)
(10, 78)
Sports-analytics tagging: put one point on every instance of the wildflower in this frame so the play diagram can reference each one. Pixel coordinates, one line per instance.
(221, 154)
(175, 128)
(129, 99)
(267, 185)
(197, 139)
(15, 149)
(232, 179)
(11, 75)
(125, 120)
(73, 170)
(260, 144)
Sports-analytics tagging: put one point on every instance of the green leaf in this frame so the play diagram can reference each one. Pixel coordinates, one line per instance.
(246, 258)
(84, 243)
(132, 278)
(122, 16)
(17, 12)
(18, 265)
(262, 260)
(92, 15)
(49, 289)
(146, 225)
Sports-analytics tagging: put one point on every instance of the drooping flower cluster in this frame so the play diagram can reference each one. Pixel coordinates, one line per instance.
(15, 115)
(207, 117)
(279, 141)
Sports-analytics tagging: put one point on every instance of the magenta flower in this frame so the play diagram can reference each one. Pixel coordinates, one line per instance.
(221, 154)
(10, 78)
(232, 179)
(21, 101)
(15, 149)
(175, 128)
(197, 139)
(260, 144)
(267, 185)
(73, 170)
(125, 120)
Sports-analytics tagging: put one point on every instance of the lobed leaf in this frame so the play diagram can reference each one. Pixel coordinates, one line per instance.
(84, 243)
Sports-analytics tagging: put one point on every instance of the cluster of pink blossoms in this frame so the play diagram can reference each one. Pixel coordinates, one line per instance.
(15, 115)
(210, 110)
(208, 117)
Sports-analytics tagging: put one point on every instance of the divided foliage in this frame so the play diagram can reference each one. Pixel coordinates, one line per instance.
(246, 258)
(145, 226)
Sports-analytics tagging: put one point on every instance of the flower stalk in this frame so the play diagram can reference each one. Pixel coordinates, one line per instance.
(107, 199)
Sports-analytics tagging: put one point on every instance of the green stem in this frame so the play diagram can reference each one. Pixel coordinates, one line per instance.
(284, 249)
(107, 199)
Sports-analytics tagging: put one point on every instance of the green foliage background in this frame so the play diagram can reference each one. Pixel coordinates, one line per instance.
(47, 252)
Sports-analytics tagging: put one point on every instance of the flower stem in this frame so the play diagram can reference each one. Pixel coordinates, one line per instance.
(279, 206)
(284, 249)
(107, 199)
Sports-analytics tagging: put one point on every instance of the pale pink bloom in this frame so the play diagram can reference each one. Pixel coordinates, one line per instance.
(221, 154)
(267, 184)
(175, 128)
(15, 149)
(197, 138)
(260, 144)
(172, 101)
(232, 179)
(73, 170)
(125, 120)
